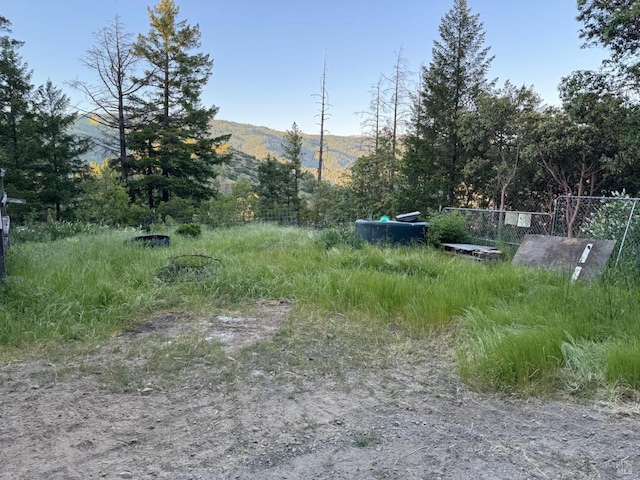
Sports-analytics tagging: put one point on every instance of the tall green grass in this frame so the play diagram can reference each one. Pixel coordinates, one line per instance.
(623, 363)
(517, 328)
(556, 332)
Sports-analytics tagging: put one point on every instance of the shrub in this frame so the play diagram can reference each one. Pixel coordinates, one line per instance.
(178, 209)
(446, 228)
(189, 230)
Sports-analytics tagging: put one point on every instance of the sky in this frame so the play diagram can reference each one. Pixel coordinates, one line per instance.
(269, 55)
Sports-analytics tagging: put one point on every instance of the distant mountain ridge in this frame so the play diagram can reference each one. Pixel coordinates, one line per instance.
(252, 144)
(340, 152)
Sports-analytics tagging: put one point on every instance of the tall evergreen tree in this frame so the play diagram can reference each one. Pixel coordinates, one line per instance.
(275, 200)
(58, 163)
(450, 85)
(17, 140)
(175, 153)
(292, 153)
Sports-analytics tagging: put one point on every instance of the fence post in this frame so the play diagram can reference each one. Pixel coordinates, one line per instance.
(626, 230)
(555, 216)
(3, 205)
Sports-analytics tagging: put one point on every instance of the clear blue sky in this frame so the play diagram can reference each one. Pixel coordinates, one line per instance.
(268, 54)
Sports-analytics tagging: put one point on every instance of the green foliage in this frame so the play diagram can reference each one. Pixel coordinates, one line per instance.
(58, 151)
(277, 191)
(373, 181)
(368, 439)
(16, 127)
(181, 162)
(333, 205)
(339, 237)
(184, 268)
(446, 228)
(611, 25)
(611, 220)
(278, 186)
(189, 230)
(40, 155)
(236, 208)
(177, 209)
(514, 358)
(105, 200)
(554, 333)
(79, 287)
(434, 154)
(495, 134)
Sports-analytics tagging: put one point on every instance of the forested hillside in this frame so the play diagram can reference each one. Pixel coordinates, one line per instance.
(250, 145)
(240, 167)
(340, 153)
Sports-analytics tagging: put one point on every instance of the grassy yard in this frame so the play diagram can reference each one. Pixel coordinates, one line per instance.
(515, 329)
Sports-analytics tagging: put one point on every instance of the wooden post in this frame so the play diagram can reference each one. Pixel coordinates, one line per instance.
(3, 212)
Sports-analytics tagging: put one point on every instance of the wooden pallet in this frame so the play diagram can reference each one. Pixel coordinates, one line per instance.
(480, 253)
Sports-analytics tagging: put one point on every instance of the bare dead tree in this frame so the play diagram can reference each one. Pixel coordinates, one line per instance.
(371, 125)
(114, 62)
(398, 103)
(324, 106)
(390, 107)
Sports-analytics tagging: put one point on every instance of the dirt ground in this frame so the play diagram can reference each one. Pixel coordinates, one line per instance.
(412, 421)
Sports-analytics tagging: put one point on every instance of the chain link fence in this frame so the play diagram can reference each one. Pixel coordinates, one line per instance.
(230, 212)
(601, 218)
(502, 227)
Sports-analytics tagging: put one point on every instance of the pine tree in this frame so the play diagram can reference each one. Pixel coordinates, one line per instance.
(274, 190)
(175, 153)
(57, 157)
(15, 94)
(434, 157)
(292, 153)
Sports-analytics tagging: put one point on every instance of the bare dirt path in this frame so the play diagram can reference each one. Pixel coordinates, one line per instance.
(408, 421)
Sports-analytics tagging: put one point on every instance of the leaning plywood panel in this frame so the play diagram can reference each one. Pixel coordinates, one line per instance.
(582, 258)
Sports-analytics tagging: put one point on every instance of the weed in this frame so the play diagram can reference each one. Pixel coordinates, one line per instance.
(368, 439)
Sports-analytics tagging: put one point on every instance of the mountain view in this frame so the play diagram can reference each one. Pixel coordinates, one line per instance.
(340, 152)
(249, 145)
